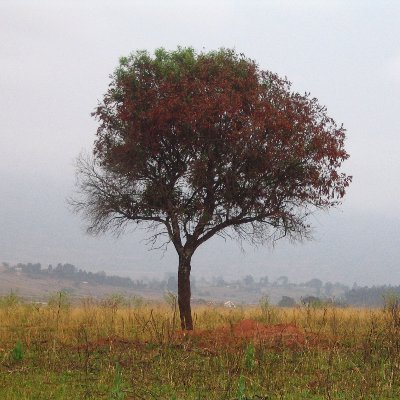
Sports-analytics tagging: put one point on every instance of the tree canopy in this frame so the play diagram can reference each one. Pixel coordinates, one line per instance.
(203, 144)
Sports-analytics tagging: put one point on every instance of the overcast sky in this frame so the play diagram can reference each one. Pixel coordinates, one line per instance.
(56, 57)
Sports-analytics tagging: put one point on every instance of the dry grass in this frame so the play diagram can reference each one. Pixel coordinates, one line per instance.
(111, 350)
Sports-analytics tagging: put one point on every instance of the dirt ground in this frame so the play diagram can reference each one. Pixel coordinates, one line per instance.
(248, 330)
(225, 337)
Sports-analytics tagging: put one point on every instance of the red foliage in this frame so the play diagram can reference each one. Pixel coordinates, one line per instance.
(210, 141)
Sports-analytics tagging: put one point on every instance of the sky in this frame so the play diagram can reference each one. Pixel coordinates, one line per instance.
(55, 62)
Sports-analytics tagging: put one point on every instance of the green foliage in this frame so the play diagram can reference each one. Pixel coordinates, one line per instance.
(249, 360)
(170, 62)
(117, 392)
(173, 63)
(241, 389)
(17, 353)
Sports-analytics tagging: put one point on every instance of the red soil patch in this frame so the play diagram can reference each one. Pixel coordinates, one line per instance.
(225, 337)
(248, 330)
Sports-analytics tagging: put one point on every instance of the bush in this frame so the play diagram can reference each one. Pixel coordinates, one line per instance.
(287, 301)
(10, 300)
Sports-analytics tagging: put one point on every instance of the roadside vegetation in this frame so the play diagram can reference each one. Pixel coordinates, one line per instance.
(125, 348)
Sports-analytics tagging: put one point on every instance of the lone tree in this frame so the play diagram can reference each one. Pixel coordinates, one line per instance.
(195, 145)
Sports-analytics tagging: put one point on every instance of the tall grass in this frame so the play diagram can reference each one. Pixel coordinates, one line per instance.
(125, 349)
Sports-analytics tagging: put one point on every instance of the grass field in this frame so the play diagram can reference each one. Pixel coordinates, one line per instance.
(114, 350)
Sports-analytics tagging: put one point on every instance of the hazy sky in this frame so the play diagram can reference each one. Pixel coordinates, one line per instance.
(56, 57)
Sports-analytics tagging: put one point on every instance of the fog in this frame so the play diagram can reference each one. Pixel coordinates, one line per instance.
(56, 57)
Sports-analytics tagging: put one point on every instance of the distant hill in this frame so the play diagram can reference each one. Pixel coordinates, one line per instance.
(32, 282)
(39, 285)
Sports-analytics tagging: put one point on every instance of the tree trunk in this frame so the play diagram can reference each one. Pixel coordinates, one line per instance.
(184, 294)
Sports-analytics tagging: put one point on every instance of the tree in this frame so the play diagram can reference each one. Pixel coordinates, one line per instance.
(312, 301)
(287, 301)
(315, 284)
(282, 281)
(328, 288)
(248, 280)
(172, 284)
(197, 145)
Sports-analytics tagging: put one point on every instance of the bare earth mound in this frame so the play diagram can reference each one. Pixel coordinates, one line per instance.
(249, 330)
(225, 338)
